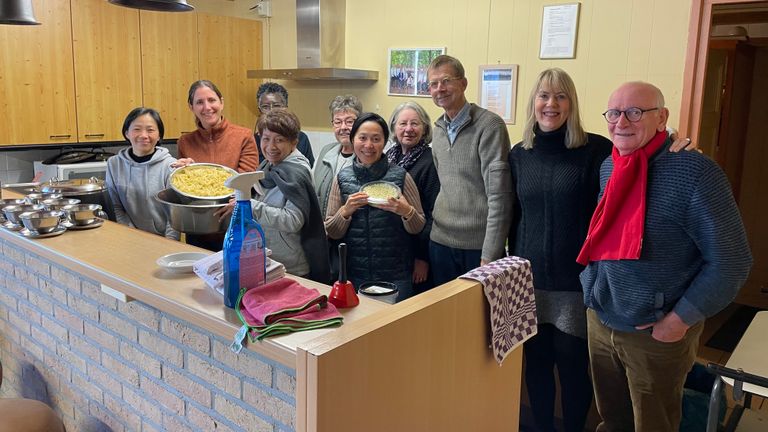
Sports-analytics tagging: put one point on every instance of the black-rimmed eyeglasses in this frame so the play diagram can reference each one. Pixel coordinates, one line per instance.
(633, 114)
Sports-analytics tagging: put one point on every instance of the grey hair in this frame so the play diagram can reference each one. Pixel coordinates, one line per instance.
(557, 80)
(426, 138)
(345, 103)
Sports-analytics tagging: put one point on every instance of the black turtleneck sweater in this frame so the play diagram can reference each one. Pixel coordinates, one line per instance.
(556, 194)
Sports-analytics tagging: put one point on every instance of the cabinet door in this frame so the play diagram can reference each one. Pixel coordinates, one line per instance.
(36, 78)
(169, 67)
(107, 67)
(228, 48)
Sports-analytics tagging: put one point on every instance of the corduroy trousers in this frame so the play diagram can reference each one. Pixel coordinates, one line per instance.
(638, 380)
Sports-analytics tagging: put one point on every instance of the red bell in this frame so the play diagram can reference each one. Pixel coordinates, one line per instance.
(343, 293)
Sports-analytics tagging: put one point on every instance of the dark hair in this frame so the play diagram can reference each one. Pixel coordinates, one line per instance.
(280, 121)
(271, 87)
(202, 83)
(138, 112)
(369, 117)
(447, 60)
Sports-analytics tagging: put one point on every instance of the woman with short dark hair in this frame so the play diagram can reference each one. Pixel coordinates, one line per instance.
(140, 171)
(378, 236)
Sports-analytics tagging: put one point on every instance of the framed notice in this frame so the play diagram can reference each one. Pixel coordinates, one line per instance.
(559, 26)
(498, 90)
(408, 70)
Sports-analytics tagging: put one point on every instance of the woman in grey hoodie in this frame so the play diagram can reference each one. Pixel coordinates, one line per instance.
(138, 172)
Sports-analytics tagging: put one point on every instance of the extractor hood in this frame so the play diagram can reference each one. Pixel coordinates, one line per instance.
(320, 26)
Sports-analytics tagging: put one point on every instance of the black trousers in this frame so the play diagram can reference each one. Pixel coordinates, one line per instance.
(549, 348)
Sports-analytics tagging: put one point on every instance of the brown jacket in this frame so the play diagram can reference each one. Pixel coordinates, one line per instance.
(227, 144)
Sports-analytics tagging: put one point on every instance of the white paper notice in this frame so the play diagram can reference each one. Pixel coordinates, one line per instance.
(558, 31)
(497, 92)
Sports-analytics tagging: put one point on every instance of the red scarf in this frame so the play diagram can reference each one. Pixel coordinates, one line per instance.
(616, 228)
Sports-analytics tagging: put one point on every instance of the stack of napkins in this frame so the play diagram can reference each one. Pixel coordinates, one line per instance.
(211, 270)
(285, 306)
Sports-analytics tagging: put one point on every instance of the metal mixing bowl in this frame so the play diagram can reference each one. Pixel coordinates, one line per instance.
(41, 221)
(37, 198)
(84, 214)
(195, 217)
(58, 203)
(12, 212)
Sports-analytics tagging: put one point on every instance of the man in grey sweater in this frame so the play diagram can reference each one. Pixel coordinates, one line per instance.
(473, 209)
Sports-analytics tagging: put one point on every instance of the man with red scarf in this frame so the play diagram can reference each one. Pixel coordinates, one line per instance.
(665, 249)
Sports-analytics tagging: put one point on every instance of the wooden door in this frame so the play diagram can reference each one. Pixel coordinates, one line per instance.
(37, 84)
(107, 67)
(169, 61)
(228, 48)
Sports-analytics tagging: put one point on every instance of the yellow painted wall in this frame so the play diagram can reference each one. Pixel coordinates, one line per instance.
(618, 40)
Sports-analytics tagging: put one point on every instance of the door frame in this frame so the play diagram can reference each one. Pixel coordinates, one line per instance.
(699, 28)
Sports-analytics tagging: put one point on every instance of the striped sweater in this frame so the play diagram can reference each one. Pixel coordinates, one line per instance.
(695, 255)
(473, 209)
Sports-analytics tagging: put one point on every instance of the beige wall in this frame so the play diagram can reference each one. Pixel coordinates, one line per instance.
(618, 40)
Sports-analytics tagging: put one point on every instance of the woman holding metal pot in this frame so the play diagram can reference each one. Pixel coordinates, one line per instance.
(216, 140)
(138, 172)
(378, 237)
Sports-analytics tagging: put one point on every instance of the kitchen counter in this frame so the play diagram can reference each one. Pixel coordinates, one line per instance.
(426, 359)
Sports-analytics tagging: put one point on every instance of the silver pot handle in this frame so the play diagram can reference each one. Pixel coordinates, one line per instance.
(101, 213)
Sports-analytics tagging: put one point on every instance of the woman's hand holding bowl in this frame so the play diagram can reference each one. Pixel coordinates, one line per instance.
(354, 202)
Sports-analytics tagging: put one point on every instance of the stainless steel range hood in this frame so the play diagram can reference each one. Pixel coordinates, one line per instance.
(320, 26)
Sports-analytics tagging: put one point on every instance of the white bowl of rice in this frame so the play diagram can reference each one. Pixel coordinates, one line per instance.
(202, 181)
(379, 192)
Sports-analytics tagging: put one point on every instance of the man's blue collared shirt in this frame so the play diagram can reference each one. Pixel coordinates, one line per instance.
(453, 126)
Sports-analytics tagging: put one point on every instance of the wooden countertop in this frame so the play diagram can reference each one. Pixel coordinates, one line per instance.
(123, 259)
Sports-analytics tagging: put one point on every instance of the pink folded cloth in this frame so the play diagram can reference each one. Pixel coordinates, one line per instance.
(285, 306)
(508, 287)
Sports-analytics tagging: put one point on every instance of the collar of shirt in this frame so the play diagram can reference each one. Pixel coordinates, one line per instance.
(453, 126)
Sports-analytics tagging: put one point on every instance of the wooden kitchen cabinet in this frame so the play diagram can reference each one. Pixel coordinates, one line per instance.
(37, 78)
(228, 48)
(169, 66)
(107, 58)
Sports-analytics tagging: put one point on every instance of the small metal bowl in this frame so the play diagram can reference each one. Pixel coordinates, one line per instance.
(83, 214)
(37, 198)
(41, 221)
(59, 203)
(12, 212)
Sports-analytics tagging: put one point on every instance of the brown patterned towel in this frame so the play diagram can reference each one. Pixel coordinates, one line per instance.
(508, 286)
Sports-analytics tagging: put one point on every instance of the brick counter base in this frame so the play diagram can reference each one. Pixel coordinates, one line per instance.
(127, 366)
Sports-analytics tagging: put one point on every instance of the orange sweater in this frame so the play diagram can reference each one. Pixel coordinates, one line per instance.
(227, 144)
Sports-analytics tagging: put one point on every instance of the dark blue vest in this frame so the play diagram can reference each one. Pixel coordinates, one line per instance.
(378, 246)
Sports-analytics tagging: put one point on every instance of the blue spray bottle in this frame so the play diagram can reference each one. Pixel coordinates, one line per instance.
(245, 257)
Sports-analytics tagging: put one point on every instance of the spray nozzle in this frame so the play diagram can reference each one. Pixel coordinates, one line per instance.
(242, 183)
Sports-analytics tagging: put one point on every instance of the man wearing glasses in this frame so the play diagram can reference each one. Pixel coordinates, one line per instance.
(473, 209)
(665, 249)
(270, 96)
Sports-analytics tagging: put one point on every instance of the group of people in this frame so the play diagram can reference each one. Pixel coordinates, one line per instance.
(632, 242)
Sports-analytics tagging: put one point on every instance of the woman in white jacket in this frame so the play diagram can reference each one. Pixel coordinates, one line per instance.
(138, 172)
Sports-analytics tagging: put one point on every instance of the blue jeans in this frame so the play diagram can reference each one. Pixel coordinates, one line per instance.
(447, 263)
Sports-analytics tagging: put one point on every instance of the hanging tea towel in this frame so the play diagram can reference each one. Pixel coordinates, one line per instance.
(508, 287)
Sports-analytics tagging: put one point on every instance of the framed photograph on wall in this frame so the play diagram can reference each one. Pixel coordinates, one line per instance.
(408, 70)
(559, 26)
(498, 90)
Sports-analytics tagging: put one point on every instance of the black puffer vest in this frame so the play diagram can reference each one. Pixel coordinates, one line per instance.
(379, 247)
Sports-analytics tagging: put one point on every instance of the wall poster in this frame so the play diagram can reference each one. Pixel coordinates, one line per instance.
(498, 90)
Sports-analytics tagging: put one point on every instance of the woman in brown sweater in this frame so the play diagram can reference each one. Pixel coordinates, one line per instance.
(215, 141)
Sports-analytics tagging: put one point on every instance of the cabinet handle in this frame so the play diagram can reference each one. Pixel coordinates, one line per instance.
(53, 137)
(101, 135)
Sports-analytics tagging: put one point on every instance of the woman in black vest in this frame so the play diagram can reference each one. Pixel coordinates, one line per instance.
(378, 237)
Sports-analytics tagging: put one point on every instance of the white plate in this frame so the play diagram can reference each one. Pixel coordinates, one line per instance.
(180, 262)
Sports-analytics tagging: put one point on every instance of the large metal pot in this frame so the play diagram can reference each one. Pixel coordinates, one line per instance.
(196, 217)
(88, 191)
